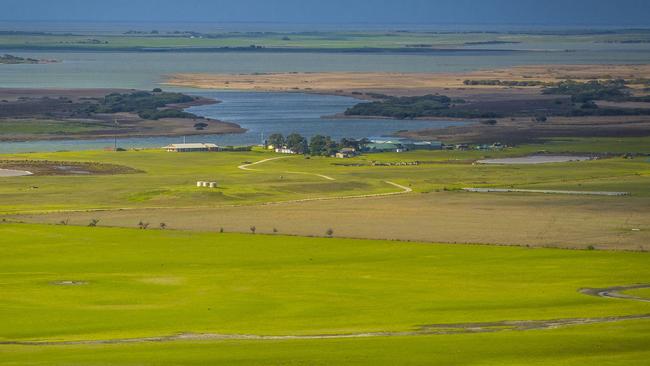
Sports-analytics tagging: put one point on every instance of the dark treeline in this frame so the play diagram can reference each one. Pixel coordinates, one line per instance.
(146, 104)
(318, 145)
(495, 82)
(415, 107)
(583, 102)
(612, 90)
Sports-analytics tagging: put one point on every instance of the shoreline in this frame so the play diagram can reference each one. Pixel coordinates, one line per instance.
(142, 128)
(236, 130)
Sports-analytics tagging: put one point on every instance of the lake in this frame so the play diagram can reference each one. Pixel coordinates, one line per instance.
(262, 114)
(266, 113)
(147, 70)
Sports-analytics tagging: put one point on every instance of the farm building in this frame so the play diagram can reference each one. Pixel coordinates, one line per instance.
(285, 150)
(195, 147)
(384, 147)
(400, 145)
(347, 153)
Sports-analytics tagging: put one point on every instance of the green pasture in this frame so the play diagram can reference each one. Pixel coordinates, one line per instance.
(139, 283)
(44, 126)
(169, 179)
(316, 40)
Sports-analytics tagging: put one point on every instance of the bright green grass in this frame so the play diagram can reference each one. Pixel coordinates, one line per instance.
(40, 126)
(170, 179)
(640, 292)
(151, 283)
(609, 344)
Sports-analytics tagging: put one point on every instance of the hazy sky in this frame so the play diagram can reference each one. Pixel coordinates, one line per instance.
(562, 12)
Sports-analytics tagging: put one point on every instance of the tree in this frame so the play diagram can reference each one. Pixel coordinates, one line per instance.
(317, 145)
(329, 232)
(200, 126)
(323, 146)
(276, 140)
(540, 119)
(331, 147)
(163, 226)
(157, 90)
(353, 143)
(297, 143)
(253, 229)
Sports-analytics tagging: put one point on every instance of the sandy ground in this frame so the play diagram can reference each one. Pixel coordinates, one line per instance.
(404, 83)
(450, 217)
(13, 173)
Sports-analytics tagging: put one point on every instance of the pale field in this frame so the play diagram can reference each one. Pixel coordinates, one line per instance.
(450, 217)
(404, 83)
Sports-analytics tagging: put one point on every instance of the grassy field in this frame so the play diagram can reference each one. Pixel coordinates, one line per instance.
(604, 344)
(76, 295)
(44, 126)
(129, 283)
(314, 40)
(435, 211)
(170, 179)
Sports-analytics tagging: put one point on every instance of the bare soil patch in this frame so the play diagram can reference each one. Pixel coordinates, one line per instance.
(43, 167)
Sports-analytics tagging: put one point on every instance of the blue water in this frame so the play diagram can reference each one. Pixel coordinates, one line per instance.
(262, 114)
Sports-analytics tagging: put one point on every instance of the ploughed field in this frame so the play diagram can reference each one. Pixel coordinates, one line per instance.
(75, 295)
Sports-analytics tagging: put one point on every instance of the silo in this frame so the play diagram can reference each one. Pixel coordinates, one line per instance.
(213, 184)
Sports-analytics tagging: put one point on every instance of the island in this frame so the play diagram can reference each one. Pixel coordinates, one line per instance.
(45, 114)
(7, 59)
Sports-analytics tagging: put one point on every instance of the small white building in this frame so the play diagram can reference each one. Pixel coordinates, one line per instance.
(194, 147)
(285, 150)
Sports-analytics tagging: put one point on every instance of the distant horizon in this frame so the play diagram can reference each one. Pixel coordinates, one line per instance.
(293, 26)
(555, 13)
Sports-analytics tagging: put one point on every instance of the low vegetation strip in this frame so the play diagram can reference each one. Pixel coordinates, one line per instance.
(544, 191)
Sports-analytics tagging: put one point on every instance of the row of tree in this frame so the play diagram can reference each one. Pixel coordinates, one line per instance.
(318, 145)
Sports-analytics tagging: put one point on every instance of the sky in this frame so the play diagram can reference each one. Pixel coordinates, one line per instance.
(521, 12)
